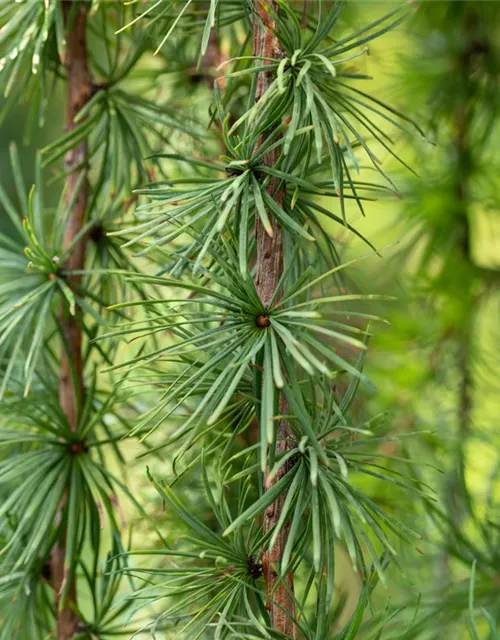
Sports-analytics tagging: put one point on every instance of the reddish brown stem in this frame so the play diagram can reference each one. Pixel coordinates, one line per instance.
(280, 591)
(79, 88)
(71, 382)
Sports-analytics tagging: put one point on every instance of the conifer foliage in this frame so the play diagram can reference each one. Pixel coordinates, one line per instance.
(200, 288)
(455, 69)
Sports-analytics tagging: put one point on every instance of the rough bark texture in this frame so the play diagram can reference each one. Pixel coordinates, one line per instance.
(71, 385)
(79, 88)
(281, 602)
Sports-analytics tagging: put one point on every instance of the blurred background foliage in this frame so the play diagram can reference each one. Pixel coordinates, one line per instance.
(436, 368)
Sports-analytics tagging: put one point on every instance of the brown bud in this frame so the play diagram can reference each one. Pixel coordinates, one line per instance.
(262, 321)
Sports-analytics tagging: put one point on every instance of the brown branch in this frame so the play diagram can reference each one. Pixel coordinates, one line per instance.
(303, 22)
(71, 382)
(280, 592)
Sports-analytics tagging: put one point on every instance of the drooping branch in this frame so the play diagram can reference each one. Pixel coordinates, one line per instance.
(71, 381)
(280, 591)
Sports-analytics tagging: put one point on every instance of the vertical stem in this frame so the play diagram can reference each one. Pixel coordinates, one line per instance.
(71, 381)
(461, 118)
(280, 592)
(71, 394)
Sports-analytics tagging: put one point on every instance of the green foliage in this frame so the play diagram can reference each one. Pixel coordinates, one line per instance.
(450, 74)
(34, 280)
(46, 458)
(122, 128)
(183, 362)
(32, 44)
(223, 337)
(31, 277)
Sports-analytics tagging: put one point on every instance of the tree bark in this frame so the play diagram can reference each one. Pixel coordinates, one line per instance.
(79, 89)
(71, 381)
(280, 592)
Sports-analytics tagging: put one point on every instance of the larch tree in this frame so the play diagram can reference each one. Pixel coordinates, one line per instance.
(187, 291)
(449, 219)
